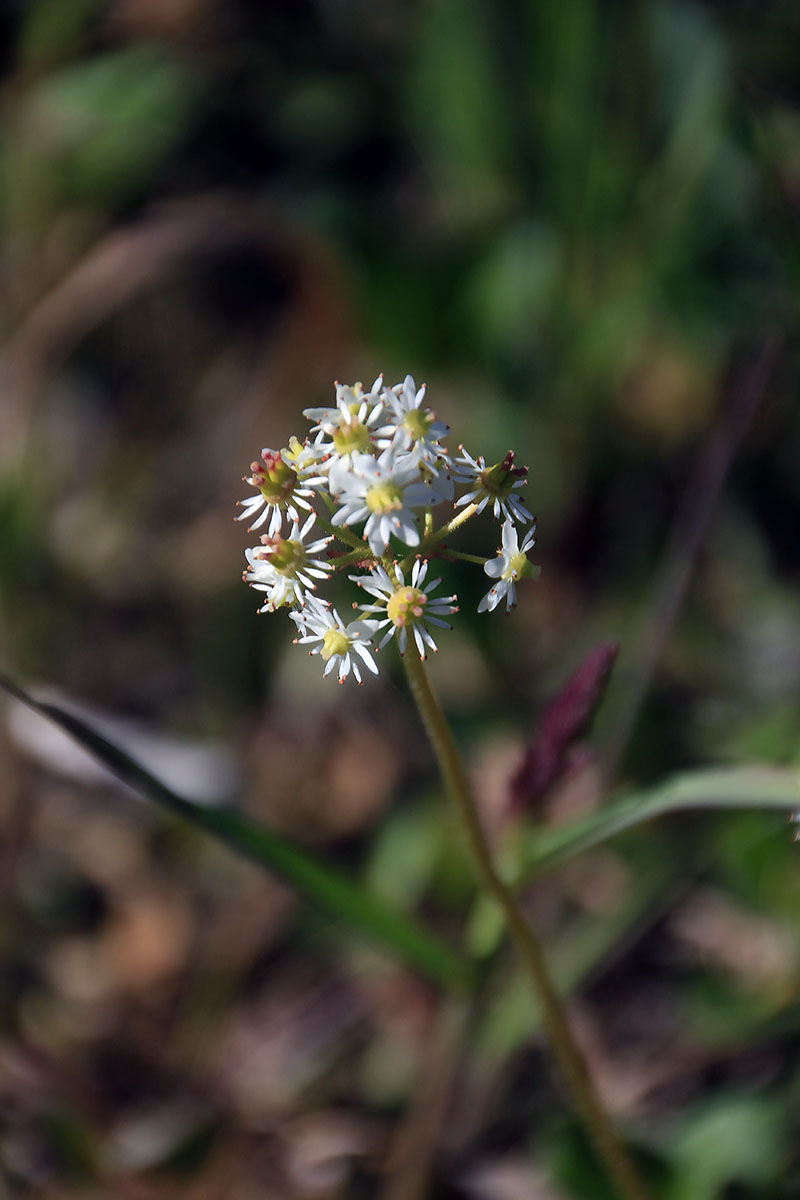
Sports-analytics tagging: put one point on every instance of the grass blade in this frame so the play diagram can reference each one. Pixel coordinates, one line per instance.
(330, 890)
(775, 788)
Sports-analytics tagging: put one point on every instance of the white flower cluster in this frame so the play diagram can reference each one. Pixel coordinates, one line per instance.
(369, 476)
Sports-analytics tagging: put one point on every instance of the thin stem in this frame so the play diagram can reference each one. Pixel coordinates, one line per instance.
(344, 535)
(432, 539)
(567, 1054)
(446, 553)
(348, 560)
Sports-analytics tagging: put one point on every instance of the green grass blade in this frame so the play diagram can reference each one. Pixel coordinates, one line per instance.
(776, 788)
(332, 892)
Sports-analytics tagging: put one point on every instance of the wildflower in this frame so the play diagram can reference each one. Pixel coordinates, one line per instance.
(339, 644)
(406, 606)
(412, 426)
(495, 484)
(383, 491)
(284, 567)
(279, 488)
(349, 427)
(376, 461)
(510, 565)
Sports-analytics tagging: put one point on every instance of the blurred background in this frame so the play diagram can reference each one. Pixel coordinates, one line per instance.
(578, 224)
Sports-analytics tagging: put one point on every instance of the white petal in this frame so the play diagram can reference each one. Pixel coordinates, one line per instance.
(366, 657)
(510, 539)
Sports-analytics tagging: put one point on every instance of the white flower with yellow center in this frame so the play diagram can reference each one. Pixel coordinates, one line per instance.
(495, 485)
(340, 645)
(280, 488)
(383, 492)
(348, 428)
(412, 427)
(284, 567)
(510, 565)
(406, 607)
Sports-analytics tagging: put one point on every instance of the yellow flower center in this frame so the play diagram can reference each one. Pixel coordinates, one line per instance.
(518, 567)
(352, 436)
(334, 641)
(384, 497)
(275, 479)
(285, 555)
(406, 605)
(418, 421)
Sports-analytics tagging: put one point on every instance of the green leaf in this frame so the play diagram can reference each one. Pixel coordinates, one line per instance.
(775, 788)
(329, 890)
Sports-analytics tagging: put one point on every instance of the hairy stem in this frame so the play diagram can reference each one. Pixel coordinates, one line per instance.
(345, 535)
(567, 1054)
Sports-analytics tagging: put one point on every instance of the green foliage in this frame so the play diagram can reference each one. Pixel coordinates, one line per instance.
(735, 788)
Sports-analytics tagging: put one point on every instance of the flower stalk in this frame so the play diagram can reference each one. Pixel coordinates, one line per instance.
(568, 1056)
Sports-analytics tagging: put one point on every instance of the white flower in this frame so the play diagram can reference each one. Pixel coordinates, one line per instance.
(439, 477)
(510, 565)
(411, 426)
(324, 630)
(280, 490)
(350, 426)
(284, 567)
(495, 484)
(383, 491)
(405, 607)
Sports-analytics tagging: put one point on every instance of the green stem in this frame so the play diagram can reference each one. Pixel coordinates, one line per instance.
(344, 535)
(432, 539)
(461, 556)
(567, 1054)
(349, 560)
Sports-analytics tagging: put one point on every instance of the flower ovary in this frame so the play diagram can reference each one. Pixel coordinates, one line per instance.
(274, 478)
(384, 497)
(406, 605)
(499, 480)
(284, 554)
(334, 641)
(418, 421)
(350, 437)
